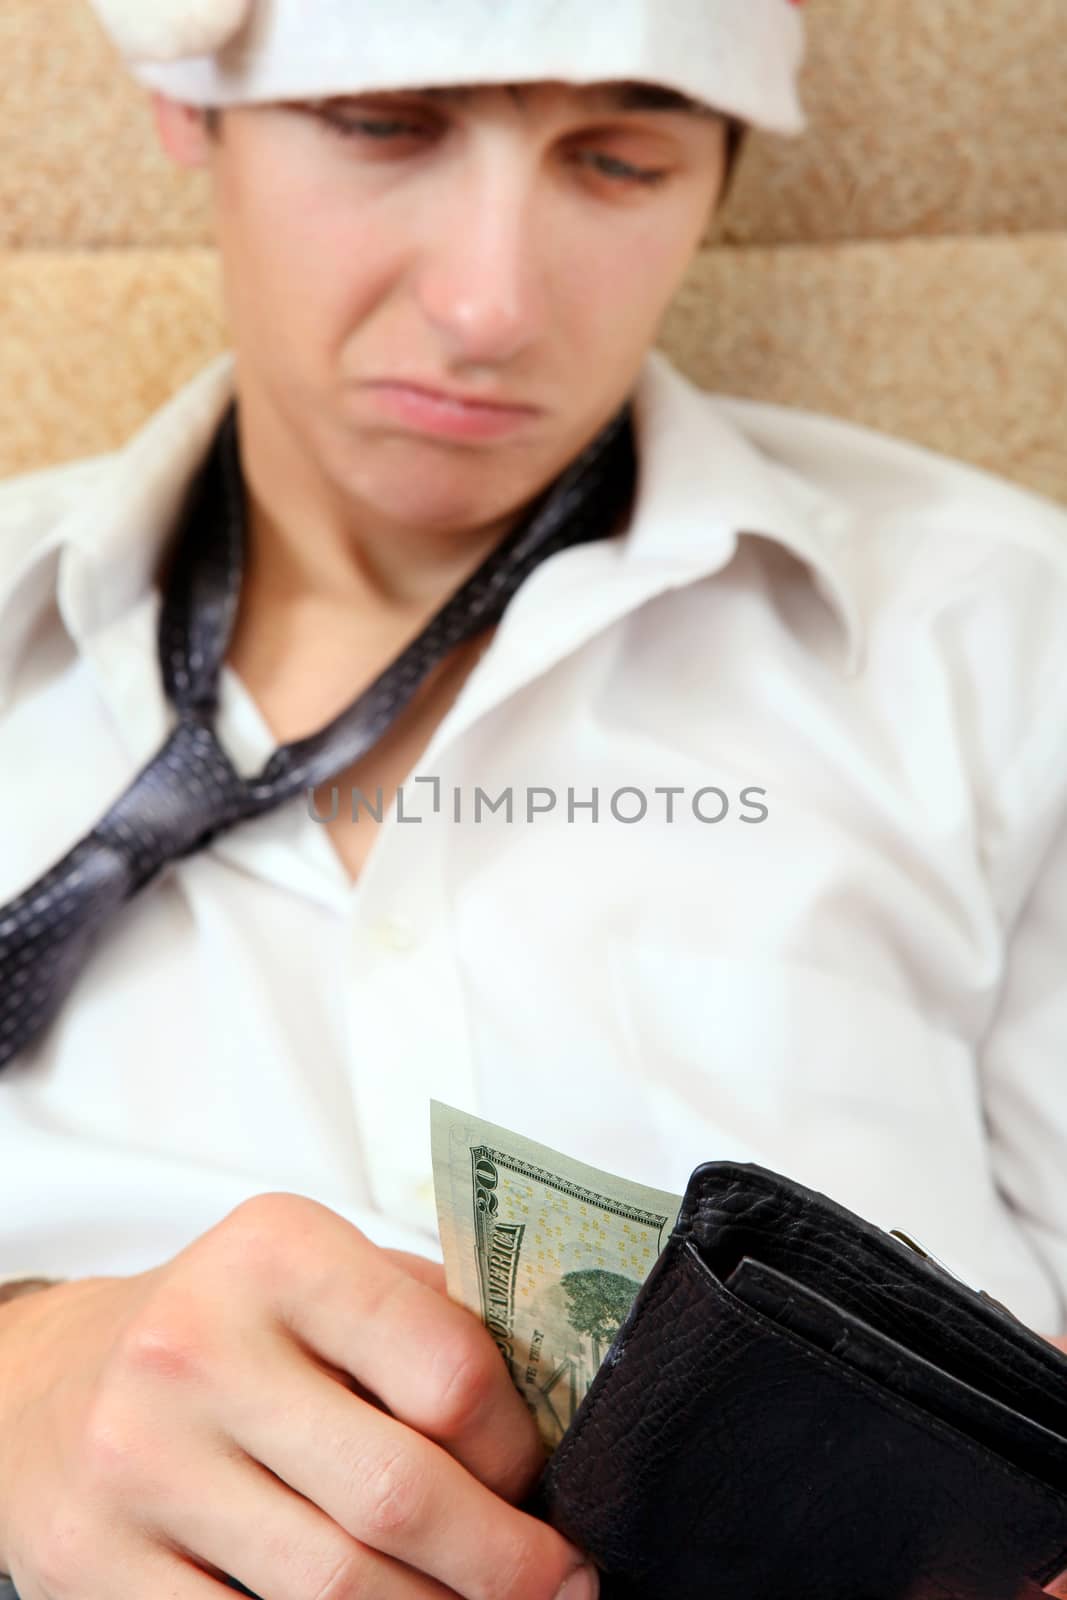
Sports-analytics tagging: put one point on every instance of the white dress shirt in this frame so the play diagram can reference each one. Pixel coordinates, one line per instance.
(864, 990)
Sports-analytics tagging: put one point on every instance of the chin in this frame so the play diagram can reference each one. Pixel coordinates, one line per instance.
(418, 497)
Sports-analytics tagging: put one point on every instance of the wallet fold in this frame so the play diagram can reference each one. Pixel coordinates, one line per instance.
(799, 1406)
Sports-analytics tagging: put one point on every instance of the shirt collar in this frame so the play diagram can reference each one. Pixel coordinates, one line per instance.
(701, 485)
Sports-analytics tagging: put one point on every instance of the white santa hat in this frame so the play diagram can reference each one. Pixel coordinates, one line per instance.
(742, 57)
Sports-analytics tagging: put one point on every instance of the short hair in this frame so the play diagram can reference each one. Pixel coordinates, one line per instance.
(736, 137)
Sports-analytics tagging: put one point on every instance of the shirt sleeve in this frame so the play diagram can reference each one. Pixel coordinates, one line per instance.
(1023, 1058)
(74, 1205)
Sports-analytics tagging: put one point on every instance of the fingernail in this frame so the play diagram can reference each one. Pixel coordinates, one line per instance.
(581, 1585)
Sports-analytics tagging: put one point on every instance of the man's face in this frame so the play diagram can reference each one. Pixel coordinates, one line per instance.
(520, 244)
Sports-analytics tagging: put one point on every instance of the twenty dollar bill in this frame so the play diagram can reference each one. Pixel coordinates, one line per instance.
(547, 1252)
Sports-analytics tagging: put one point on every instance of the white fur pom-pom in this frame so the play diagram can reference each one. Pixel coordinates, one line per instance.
(170, 30)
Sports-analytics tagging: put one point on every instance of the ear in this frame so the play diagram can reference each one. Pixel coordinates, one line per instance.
(182, 131)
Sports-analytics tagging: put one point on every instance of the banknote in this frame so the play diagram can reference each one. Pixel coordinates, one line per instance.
(548, 1252)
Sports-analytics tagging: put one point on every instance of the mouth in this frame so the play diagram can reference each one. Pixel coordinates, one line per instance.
(453, 397)
(429, 411)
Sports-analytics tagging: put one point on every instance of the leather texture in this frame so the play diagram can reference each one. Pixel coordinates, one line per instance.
(800, 1407)
(190, 791)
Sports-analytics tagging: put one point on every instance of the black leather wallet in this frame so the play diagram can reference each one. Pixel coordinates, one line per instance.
(800, 1406)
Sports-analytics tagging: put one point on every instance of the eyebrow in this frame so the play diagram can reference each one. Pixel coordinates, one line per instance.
(624, 95)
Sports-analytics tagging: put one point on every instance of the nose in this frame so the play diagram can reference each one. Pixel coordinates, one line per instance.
(480, 279)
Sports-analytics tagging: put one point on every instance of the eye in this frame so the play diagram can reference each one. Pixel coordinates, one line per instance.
(371, 127)
(623, 172)
(382, 130)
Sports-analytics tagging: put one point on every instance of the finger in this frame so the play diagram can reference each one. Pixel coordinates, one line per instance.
(127, 1566)
(394, 1490)
(421, 1267)
(253, 1528)
(431, 1362)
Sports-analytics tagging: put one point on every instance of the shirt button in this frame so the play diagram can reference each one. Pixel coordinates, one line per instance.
(395, 933)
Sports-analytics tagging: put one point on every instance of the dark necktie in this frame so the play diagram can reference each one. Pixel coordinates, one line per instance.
(190, 791)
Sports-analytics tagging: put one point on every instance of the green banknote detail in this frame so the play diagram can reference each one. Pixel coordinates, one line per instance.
(548, 1253)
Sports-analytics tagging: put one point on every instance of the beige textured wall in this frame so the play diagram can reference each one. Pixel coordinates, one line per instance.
(903, 265)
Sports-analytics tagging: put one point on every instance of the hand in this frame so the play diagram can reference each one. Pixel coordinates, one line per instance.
(284, 1403)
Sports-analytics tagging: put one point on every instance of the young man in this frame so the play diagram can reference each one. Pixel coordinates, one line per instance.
(781, 713)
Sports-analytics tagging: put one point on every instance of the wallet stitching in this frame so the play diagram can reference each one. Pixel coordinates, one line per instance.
(884, 1252)
(691, 1262)
(881, 1397)
(892, 1403)
(963, 1340)
(991, 1400)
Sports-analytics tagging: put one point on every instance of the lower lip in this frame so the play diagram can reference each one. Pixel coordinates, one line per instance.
(455, 419)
